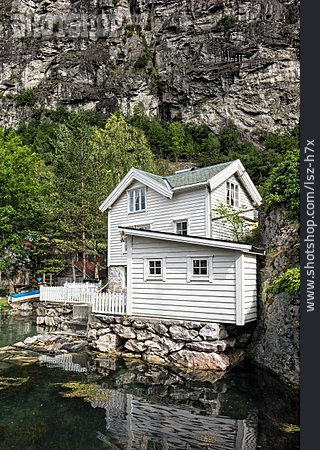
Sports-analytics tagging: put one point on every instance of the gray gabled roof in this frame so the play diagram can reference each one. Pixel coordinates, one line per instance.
(195, 176)
(166, 185)
(158, 178)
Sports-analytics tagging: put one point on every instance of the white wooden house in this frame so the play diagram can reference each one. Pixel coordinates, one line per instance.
(168, 253)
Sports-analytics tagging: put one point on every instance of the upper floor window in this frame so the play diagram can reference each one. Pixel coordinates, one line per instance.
(137, 200)
(233, 194)
(181, 227)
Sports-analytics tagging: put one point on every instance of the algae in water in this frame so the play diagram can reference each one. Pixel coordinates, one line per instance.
(6, 383)
(88, 392)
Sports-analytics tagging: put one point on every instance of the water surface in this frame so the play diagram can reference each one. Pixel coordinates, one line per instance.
(138, 406)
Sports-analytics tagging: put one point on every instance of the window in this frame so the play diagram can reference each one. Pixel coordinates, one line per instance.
(155, 267)
(232, 194)
(137, 200)
(199, 267)
(182, 227)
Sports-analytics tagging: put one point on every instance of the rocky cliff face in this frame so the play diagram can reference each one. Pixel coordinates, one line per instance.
(275, 343)
(196, 60)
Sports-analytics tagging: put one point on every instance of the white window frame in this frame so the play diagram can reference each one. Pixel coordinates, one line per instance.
(192, 277)
(142, 188)
(154, 277)
(176, 221)
(236, 189)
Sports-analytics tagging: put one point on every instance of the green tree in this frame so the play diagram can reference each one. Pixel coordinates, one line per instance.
(177, 140)
(25, 200)
(283, 186)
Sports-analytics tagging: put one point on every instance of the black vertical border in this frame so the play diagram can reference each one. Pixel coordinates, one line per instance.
(310, 131)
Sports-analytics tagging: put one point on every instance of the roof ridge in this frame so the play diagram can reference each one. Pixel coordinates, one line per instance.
(200, 168)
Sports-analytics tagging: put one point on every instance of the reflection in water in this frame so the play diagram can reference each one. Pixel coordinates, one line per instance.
(135, 423)
(145, 407)
(66, 362)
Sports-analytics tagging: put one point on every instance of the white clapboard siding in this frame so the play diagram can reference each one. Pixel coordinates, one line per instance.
(221, 230)
(161, 213)
(175, 297)
(250, 288)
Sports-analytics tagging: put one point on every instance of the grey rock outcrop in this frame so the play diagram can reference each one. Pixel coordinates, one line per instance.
(275, 342)
(201, 61)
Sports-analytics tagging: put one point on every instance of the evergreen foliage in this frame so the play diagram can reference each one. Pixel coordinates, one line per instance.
(75, 159)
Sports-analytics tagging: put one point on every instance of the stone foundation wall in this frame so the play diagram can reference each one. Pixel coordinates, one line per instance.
(53, 314)
(194, 345)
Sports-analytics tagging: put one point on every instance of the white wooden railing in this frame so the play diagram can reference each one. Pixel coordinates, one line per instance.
(109, 303)
(114, 303)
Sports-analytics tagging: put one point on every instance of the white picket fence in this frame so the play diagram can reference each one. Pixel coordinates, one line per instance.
(114, 303)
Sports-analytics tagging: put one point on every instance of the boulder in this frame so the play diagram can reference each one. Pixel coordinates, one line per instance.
(143, 335)
(139, 325)
(124, 332)
(196, 360)
(213, 331)
(157, 348)
(179, 333)
(169, 344)
(216, 346)
(158, 328)
(135, 346)
(107, 342)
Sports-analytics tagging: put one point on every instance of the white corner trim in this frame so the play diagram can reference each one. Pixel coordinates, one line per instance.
(134, 174)
(240, 313)
(129, 274)
(208, 213)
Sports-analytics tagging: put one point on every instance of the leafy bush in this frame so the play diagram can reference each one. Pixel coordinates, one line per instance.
(283, 186)
(288, 282)
(227, 22)
(26, 98)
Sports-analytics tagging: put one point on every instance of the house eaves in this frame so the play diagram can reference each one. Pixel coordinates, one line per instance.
(149, 180)
(237, 168)
(195, 240)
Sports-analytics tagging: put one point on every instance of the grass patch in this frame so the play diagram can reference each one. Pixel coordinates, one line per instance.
(4, 303)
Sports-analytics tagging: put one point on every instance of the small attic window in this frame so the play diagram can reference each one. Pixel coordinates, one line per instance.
(137, 200)
(232, 194)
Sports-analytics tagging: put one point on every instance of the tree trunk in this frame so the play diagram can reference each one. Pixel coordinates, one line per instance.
(73, 269)
(84, 255)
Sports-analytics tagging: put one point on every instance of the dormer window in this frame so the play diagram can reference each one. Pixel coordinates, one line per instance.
(232, 194)
(137, 200)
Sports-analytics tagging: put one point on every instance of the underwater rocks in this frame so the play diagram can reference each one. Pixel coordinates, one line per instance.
(53, 343)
